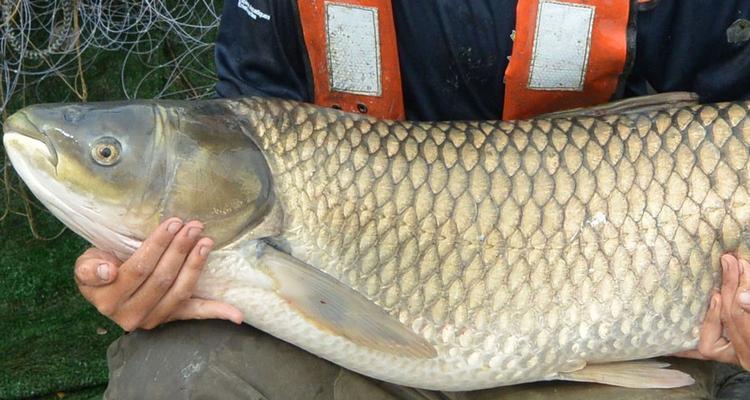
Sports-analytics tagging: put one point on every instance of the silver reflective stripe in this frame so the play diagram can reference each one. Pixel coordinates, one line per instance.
(561, 46)
(353, 49)
(251, 11)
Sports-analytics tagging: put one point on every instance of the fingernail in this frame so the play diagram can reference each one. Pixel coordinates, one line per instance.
(203, 251)
(713, 301)
(102, 271)
(723, 264)
(174, 227)
(194, 232)
(744, 298)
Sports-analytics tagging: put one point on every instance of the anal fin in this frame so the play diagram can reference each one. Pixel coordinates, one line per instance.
(642, 374)
(339, 309)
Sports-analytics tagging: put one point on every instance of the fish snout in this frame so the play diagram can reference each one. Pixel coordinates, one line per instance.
(20, 124)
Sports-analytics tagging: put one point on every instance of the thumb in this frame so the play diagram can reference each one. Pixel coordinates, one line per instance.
(95, 272)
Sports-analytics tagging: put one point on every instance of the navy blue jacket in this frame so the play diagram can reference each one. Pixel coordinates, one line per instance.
(453, 53)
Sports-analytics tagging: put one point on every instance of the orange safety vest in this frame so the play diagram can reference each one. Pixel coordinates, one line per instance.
(353, 55)
(566, 54)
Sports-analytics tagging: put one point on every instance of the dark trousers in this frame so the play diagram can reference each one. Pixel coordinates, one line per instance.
(218, 360)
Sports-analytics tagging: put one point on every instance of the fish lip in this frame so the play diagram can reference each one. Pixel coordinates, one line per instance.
(20, 124)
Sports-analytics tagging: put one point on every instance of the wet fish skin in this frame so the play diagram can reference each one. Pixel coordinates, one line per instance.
(517, 251)
(521, 249)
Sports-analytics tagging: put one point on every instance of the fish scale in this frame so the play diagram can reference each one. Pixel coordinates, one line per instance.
(442, 255)
(521, 246)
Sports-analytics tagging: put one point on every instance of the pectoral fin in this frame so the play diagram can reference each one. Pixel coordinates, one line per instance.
(644, 374)
(338, 309)
(654, 102)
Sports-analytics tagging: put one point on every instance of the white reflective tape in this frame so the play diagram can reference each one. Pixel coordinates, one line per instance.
(251, 11)
(353, 49)
(561, 46)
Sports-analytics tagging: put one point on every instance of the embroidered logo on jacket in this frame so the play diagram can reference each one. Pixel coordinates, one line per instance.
(253, 12)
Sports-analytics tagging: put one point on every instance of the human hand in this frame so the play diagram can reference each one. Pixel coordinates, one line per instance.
(156, 283)
(729, 310)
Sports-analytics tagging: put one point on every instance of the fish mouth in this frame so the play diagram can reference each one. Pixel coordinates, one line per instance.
(19, 124)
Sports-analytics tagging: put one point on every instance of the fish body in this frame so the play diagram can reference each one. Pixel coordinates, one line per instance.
(442, 255)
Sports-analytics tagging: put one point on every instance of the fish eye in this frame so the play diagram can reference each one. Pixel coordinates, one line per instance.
(106, 151)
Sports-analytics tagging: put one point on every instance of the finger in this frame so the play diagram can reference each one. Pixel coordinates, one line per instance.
(206, 309)
(711, 329)
(741, 317)
(142, 263)
(732, 314)
(183, 286)
(154, 288)
(730, 282)
(714, 346)
(743, 293)
(94, 272)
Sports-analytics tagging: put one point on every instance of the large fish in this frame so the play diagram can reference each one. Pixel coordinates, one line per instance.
(448, 255)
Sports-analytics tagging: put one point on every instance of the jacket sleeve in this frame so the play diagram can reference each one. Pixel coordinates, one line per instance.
(260, 51)
(682, 45)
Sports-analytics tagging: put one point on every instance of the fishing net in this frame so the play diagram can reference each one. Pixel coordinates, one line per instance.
(41, 39)
(69, 51)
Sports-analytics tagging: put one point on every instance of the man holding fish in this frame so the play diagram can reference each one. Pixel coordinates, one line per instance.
(465, 60)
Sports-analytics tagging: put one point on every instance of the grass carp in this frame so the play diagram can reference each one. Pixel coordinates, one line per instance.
(443, 255)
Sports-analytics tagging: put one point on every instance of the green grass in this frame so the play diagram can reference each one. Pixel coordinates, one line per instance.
(52, 339)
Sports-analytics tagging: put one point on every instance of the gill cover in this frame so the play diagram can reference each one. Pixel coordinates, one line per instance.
(214, 172)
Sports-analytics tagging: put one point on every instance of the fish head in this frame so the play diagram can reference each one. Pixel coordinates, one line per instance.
(86, 164)
(113, 171)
